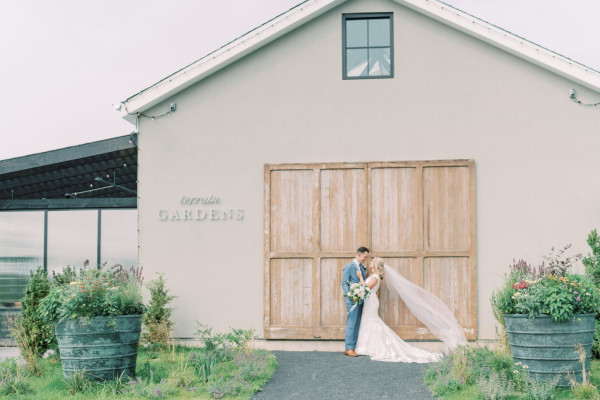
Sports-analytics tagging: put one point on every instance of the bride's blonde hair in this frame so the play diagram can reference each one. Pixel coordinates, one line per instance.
(378, 262)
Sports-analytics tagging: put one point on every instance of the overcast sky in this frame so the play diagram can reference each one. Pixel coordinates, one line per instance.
(65, 62)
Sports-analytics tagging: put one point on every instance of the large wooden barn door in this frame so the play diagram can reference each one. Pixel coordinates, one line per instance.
(419, 216)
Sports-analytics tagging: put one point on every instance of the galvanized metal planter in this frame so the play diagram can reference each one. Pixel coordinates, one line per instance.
(105, 347)
(547, 347)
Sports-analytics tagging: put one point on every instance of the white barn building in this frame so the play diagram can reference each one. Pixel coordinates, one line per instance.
(443, 143)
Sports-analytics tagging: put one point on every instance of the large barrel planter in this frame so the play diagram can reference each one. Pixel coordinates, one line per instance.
(105, 347)
(547, 347)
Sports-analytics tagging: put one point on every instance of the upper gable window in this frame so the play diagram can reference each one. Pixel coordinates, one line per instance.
(367, 46)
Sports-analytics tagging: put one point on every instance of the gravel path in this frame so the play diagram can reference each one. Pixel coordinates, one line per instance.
(9, 352)
(332, 376)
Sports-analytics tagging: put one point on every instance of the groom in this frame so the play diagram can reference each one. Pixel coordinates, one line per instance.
(349, 276)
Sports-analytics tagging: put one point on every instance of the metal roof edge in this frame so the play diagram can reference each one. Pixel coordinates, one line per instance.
(225, 55)
(65, 154)
(507, 41)
(310, 9)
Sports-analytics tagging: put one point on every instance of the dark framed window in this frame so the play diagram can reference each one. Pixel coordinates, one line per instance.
(367, 46)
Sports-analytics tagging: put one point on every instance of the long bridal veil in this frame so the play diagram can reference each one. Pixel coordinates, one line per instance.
(428, 309)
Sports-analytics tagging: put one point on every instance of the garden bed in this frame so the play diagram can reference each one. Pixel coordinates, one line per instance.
(162, 372)
(485, 374)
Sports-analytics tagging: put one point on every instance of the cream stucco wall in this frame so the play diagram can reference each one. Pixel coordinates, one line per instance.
(452, 97)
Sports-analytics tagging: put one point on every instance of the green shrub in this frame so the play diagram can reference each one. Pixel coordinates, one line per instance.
(95, 292)
(157, 319)
(78, 382)
(588, 392)
(496, 387)
(13, 379)
(33, 333)
(493, 372)
(39, 331)
(596, 342)
(251, 365)
(592, 260)
(223, 386)
(149, 388)
(452, 373)
(217, 349)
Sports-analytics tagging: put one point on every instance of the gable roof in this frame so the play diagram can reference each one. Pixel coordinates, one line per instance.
(310, 9)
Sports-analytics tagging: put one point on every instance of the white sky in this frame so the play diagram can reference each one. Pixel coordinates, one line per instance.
(65, 62)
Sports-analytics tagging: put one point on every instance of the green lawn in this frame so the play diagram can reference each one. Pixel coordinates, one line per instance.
(172, 366)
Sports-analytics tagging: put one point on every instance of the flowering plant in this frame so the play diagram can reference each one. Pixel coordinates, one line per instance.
(358, 292)
(548, 290)
(94, 292)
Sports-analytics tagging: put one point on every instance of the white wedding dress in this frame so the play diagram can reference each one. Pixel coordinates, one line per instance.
(380, 342)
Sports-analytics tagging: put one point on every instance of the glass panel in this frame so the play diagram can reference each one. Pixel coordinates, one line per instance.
(379, 62)
(379, 32)
(356, 33)
(21, 251)
(72, 238)
(119, 238)
(356, 62)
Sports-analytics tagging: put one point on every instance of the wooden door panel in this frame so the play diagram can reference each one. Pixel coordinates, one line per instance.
(292, 198)
(447, 208)
(343, 209)
(449, 279)
(333, 308)
(292, 287)
(391, 307)
(396, 209)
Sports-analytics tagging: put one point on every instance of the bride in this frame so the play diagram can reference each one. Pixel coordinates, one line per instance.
(380, 342)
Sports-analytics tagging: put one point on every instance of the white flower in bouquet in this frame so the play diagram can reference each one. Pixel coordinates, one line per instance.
(357, 292)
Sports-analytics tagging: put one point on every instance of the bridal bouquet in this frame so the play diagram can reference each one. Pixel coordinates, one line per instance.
(357, 293)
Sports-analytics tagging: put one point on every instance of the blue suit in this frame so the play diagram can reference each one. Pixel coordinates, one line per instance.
(353, 318)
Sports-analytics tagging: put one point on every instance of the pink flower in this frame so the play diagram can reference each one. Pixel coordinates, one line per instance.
(575, 292)
(578, 298)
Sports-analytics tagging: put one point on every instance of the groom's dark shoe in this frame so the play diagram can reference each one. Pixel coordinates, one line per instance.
(351, 353)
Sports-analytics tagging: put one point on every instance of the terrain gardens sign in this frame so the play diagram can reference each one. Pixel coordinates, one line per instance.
(201, 208)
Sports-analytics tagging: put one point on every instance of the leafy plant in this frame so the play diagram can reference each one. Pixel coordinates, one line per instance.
(541, 390)
(596, 341)
(559, 264)
(78, 382)
(205, 363)
(495, 387)
(151, 389)
(583, 389)
(452, 373)
(493, 373)
(222, 386)
(13, 379)
(94, 292)
(592, 260)
(546, 290)
(217, 348)
(251, 364)
(31, 331)
(157, 319)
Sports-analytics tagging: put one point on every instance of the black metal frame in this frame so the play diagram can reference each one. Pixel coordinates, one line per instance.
(61, 171)
(98, 235)
(68, 204)
(361, 16)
